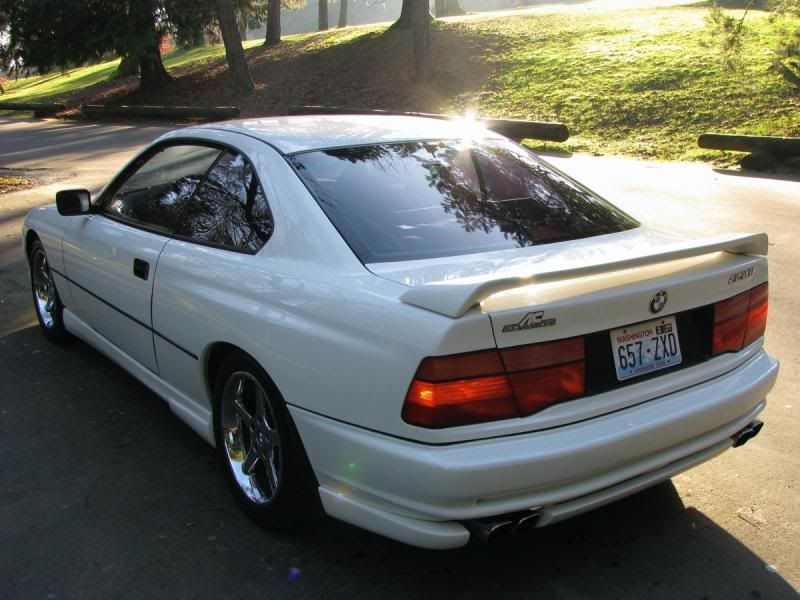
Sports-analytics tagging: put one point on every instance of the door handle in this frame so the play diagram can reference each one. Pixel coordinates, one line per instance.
(141, 268)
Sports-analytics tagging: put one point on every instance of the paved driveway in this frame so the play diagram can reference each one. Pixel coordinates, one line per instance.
(105, 494)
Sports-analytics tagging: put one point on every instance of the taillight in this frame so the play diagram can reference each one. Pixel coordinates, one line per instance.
(757, 315)
(459, 390)
(544, 374)
(488, 386)
(741, 320)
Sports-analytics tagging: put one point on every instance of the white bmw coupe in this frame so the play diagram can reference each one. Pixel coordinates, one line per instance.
(418, 324)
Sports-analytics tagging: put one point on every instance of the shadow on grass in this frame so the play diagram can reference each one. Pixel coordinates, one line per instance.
(362, 69)
(547, 149)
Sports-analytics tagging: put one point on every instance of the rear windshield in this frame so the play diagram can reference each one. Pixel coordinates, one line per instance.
(414, 200)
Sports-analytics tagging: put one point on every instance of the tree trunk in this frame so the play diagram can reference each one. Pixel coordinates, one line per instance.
(152, 73)
(323, 15)
(128, 66)
(244, 15)
(237, 64)
(343, 13)
(452, 8)
(273, 22)
(422, 38)
(448, 8)
(405, 20)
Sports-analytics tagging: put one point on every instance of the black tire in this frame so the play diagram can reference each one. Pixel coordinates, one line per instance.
(46, 301)
(296, 502)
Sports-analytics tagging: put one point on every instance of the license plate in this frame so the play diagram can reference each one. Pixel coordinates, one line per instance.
(645, 347)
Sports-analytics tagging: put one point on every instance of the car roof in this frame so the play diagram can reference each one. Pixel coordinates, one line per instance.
(316, 132)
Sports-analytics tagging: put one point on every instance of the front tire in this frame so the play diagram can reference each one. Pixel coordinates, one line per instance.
(46, 302)
(263, 458)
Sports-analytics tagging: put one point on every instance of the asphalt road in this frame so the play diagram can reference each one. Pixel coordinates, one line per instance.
(105, 494)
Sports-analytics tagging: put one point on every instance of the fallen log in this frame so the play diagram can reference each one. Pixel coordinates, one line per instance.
(778, 146)
(512, 128)
(40, 109)
(206, 113)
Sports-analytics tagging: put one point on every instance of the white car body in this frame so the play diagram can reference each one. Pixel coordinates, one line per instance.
(342, 341)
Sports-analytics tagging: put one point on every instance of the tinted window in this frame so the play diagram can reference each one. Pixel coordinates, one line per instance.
(229, 208)
(427, 199)
(156, 192)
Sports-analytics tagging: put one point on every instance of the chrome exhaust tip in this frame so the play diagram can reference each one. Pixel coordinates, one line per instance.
(741, 437)
(527, 522)
(492, 529)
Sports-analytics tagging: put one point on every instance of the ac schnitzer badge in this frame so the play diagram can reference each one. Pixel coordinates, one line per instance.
(532, 320)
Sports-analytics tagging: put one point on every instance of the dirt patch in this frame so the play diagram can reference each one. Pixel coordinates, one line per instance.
(12, 183)
(14, 180)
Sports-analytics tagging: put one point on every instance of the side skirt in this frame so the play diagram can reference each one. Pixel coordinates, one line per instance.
(197, 417)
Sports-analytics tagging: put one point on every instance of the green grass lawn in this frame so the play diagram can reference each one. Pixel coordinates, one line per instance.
(56, 86)
(644, 85)
(643, 82)
(52, 87)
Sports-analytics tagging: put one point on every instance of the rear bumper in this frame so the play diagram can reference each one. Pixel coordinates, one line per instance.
(418, 493)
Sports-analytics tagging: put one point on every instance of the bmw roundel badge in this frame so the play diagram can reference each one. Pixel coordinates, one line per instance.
(658, 302)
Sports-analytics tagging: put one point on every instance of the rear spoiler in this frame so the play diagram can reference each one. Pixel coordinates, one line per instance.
(455, 297)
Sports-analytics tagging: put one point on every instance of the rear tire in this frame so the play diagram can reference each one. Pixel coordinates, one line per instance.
(263, 458)
(46, 302)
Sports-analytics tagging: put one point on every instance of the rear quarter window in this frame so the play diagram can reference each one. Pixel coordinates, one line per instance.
(415, 200)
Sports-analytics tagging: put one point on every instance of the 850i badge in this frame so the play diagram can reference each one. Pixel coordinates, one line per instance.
(532, 320)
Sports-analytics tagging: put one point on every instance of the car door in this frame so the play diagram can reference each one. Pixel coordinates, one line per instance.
(110, 256)
(204, 277)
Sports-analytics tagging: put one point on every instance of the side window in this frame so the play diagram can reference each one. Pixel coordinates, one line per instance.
(155, 194)
(229, 209)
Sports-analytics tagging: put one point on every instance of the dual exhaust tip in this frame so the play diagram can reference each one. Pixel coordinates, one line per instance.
(744, 435)
(495, 528)
(492, 529)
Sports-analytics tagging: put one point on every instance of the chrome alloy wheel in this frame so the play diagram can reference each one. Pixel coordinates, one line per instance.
(44, 289)
(251, 438)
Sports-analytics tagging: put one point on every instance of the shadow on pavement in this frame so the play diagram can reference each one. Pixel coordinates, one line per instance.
(104, 493)
(789, 175)
(32, 142)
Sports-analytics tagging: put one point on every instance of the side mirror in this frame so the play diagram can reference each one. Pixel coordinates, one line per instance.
(73, 202)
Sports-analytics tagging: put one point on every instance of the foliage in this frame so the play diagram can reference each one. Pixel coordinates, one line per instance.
(786, 7)
(48, 34)
(730, 30)
(56, 34)
(788, 54)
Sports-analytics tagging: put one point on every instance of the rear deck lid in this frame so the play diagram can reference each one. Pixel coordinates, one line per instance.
(572, 288)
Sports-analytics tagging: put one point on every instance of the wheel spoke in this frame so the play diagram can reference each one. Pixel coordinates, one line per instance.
(250, 461)
(274, 438)
(272, 474)
(261, 403)
(242, 413)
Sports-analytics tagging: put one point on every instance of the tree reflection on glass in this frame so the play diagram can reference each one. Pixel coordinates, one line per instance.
(424, 199)
(229, 208)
